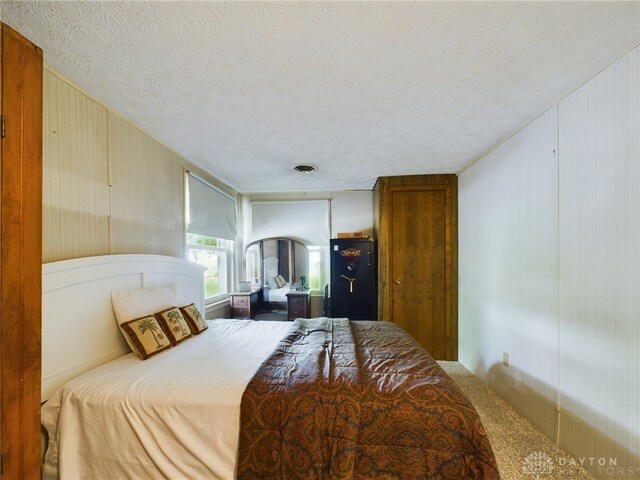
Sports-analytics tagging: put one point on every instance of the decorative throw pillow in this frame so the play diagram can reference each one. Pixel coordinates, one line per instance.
(133, 303)
(194, 319)
(280, 281)
(175, 325)
(147, 335)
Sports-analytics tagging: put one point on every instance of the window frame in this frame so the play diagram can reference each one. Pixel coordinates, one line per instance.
(229, 248)
(228, 253)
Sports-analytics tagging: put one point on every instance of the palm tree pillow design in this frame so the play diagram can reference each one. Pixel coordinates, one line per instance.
(147, 336)
(175, 325)
(193, 317)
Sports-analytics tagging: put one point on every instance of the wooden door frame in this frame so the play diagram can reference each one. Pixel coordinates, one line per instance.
(20, 256)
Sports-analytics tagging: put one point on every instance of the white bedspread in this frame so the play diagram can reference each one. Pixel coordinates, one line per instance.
(279, 294)
(175, 415)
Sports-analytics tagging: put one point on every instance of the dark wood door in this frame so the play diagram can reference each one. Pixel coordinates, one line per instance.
(20, 256)
(418, 266)
(415, 221)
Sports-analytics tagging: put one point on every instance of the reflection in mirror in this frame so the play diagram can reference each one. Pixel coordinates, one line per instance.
(252, 260)
(265, 259)
(278, 265)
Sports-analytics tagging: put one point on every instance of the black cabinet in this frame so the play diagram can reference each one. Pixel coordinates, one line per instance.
(354, 279)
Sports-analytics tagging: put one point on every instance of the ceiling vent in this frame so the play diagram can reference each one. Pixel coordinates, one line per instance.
(305, 168)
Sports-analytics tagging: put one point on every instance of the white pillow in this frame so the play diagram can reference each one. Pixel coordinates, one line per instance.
(280, 281)
(129, 304)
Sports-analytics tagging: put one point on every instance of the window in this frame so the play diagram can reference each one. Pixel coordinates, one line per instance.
(216, 254)
(318, 266)
(211, 231)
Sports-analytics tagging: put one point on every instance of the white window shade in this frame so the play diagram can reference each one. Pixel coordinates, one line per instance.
(307, 221)
(211, 212)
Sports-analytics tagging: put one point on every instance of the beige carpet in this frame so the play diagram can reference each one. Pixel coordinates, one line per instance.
(522, 451)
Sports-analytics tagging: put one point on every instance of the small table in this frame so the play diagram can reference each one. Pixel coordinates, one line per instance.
(298, 304)
(244, 304)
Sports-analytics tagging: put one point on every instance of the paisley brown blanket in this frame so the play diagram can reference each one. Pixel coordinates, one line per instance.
(358, 400)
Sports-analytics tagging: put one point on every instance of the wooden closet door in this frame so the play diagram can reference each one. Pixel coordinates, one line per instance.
(418, 265)
(415, 220)
(20, 256)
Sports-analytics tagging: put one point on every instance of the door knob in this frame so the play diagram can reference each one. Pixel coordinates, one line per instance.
(397, 282)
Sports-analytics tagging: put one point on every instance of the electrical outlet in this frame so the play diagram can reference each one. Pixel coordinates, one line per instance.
(505, 358)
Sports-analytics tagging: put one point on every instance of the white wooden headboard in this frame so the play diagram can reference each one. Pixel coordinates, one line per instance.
(79, 330)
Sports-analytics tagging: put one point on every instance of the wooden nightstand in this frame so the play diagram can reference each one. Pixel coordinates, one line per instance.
(244, 304)
(298, 304)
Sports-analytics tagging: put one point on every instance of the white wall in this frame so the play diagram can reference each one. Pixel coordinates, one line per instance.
(599, 252)
(219, 310)
(349, 211)
(550, 270)
(508, 270)
(352, 211)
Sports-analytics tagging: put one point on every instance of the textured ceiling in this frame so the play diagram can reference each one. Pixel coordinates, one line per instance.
(248, 90)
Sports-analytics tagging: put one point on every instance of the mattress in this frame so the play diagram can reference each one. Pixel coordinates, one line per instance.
(175, 415)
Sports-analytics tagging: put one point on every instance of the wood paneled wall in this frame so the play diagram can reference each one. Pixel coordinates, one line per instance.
(108, 187)
(76, 181)
(550, 271)
(147, 189)
(508, 270)
(599, 254)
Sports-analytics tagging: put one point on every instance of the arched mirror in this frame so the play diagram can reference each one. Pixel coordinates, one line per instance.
(278, 265)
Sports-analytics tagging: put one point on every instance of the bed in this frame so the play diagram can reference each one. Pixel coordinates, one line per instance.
(278, 296)
(275, 295)
(319, 398)
(175, 415)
